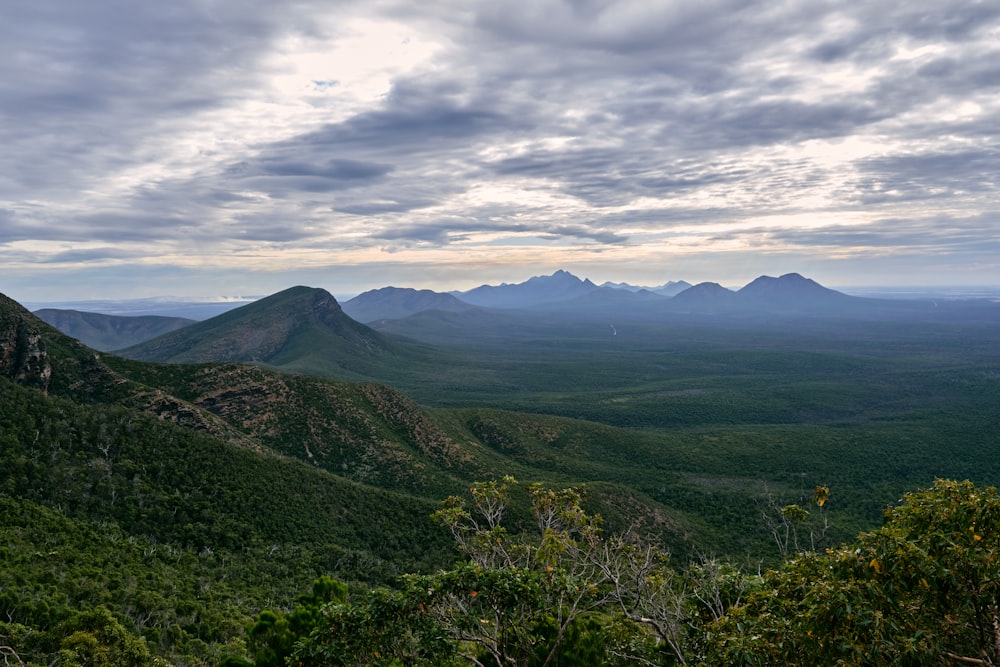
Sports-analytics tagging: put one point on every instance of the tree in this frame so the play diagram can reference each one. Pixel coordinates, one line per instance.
(273, 635)
(558, 595)
(9, 654)
(96, 638)
(923, 589)
(786, 522)
(527, 600)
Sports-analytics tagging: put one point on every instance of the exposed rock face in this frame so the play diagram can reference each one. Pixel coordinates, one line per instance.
(23, 358)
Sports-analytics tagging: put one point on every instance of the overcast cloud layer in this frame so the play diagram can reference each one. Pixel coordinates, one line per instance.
(240, 147)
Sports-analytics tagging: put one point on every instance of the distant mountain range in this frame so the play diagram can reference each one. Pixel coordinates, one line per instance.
(563, 292)
(190, 309)
(306, 328)
(537, 291)
(669, 288)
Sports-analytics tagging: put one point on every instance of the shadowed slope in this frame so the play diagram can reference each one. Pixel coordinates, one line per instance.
(389, 303)
(283, 328)
(110, 332)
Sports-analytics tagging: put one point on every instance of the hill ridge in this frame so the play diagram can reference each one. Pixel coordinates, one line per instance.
(266, 331)
(110, 332)
(388, 303)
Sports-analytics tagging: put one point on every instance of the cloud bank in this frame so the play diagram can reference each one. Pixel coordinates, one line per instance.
(445, 144)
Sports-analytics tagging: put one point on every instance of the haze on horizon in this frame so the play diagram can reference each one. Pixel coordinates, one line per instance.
(202, 148)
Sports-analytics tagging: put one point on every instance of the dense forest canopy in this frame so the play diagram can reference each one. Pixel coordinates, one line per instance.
(694, 494)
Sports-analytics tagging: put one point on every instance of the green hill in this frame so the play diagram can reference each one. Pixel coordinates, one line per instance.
(184, 499)
(299, 330)
(110, 332)
(234, 485)
(277, 329)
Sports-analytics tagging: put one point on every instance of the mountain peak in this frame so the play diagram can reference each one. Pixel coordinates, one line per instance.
(538, 290)
(706, 297)
(789, 288)
(283, 324)
(669, 288)
(706, 290)
(559, 277)
(390, 303)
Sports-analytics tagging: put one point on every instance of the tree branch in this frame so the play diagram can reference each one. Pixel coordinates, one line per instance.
(7, 652)
(962, 658)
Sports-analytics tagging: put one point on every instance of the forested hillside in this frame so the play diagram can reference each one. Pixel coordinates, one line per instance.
(159, 510)
(246, 529)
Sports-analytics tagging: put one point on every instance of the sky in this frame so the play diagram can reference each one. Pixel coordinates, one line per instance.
(202, 148)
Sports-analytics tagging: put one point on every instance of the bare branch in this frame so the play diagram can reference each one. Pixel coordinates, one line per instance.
(962, 658)
(8, 652)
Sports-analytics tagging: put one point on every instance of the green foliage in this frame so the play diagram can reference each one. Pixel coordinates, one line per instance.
(923, 589)
(364, 432)
(382, 627)
(182, 487)
(559, 595)
(273, 635)
(98, 639)
(182, 537)
(91, 638)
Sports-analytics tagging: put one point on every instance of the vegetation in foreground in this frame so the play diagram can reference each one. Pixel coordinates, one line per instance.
(923, 589)
(151, 512)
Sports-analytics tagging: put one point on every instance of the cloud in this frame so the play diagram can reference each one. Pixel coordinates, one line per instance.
(921, 176)
(380, 207)
(451, 231)
(338, 170)
(235, 128)
(90, 256)
(278, 176)
(938, 235)
(91, 81)
(402, 127)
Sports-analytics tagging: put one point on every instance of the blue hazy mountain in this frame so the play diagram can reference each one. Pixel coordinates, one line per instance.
(704, 297)
(161, 306)
(669, 288)
(110, 332)
(792, 295)
(536, 291)
(390, 303)
(793, 291)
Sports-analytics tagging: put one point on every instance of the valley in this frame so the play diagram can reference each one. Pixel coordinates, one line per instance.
(286, 428)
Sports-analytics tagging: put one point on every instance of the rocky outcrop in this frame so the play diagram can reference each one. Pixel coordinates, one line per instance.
(23, 358)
